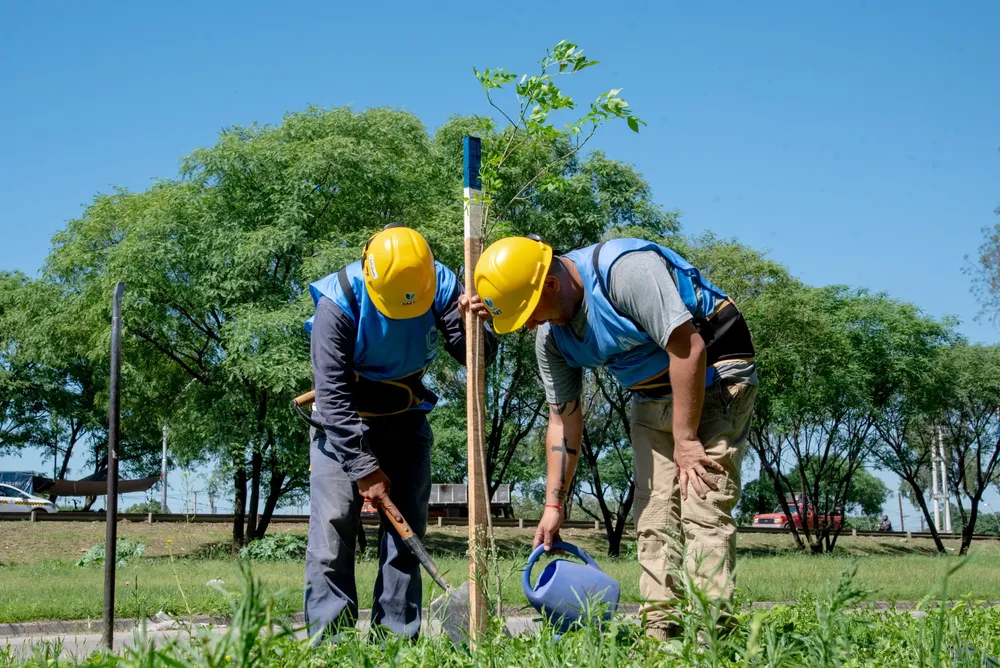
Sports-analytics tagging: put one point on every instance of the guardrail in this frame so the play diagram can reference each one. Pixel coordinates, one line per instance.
(372, 520)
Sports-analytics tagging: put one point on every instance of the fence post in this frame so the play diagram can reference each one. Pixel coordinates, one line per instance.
(440, 521)
(520, 522)
(854, 533)
(909, 535)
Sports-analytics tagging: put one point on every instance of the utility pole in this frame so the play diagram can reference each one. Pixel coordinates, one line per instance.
(899, 497)
(163, 473)
(944, 483)
(114, 414)
(211, 502)
(935, 491)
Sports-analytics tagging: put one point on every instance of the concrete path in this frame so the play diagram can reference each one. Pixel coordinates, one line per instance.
(79, 642)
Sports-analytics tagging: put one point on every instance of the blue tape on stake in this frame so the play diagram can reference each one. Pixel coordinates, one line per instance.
(472, 151)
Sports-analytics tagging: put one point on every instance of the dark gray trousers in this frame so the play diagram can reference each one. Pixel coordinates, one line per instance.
(402, 445)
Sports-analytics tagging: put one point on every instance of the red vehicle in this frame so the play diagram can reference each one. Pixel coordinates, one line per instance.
(777, 519)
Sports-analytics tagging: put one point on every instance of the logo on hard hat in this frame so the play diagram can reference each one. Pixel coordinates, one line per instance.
(491, 308)
(410, 298)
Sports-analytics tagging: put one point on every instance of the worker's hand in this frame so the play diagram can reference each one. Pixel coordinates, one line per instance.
(548, 529)
(692, 467)
(375, 487)
(476, 304)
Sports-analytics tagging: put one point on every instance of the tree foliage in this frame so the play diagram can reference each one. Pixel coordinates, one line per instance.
(217, 261)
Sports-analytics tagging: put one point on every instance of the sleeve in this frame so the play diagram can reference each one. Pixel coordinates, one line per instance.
(450, 322)
(561, 381)
(641, 287)
(332, 352)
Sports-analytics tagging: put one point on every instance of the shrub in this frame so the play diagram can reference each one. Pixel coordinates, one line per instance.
(126, 551)
(276, 547)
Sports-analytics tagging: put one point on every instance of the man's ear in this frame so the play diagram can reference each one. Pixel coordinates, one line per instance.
(551, 283)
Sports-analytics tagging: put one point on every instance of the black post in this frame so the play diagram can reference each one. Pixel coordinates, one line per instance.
(111, 524)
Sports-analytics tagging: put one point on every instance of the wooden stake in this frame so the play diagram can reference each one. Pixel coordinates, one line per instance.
(475, 391)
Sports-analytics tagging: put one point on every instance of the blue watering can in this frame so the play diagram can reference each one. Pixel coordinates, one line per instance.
(565, 588)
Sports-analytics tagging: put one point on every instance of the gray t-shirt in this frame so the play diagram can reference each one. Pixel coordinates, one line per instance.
(642, 287)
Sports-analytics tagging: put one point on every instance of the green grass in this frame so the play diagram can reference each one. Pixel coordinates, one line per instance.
(833, 629)
(60, 590)
(39, 580)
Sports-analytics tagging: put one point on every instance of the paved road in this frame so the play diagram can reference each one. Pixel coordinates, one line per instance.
(82, 644)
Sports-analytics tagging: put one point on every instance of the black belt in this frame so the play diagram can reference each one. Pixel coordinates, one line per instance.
(727, 338)
(378, 398)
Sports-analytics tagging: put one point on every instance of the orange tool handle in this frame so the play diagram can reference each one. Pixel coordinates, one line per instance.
(304, 399)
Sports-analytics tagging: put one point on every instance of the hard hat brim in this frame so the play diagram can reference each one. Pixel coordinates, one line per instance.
(506, 325)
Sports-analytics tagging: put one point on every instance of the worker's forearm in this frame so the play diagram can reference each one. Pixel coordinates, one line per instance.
(687, 379)
(562, 450)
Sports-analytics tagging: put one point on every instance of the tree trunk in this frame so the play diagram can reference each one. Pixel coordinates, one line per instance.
(568, 508)
(778, 488)
(66, 457)
(239, 506)
(970, 528)
(102, 466)
(761, 501)
(615, 536)
(938, 543)
(273, 494)
(256, 463)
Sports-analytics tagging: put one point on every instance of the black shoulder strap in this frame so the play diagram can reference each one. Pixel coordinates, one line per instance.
(345, 287)
(597, 270)
(604, 288)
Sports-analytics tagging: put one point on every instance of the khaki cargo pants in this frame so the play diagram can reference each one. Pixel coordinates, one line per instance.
(666, 524)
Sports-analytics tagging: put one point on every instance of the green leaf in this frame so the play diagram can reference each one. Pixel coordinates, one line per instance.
(633, 123)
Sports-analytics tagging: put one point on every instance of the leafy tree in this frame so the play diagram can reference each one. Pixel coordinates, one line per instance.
(986, 273)
(607, 452)
(57, 385)
(817, 365)
(150, 506)
(971, 427)
(909, 390)
(757, 496)
(216, 264)
(22, 381)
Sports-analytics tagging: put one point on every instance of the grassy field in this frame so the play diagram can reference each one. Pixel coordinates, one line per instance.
(39, 580)
(837, 629)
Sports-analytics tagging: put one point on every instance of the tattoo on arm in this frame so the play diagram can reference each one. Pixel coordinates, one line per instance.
(567, 408)
(564, 450)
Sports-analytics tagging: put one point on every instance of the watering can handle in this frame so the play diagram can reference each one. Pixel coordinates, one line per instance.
(557, 545)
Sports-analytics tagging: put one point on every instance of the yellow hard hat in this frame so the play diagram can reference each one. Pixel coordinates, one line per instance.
(509, 278)
(399, 272)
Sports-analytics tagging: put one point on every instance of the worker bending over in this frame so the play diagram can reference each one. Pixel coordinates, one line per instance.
(681, 345)
(374, 333)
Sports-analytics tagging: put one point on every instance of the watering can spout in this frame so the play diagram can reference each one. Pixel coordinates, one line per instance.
(567, 592)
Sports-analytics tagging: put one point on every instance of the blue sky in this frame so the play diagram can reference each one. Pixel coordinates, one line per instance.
(856, 141)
